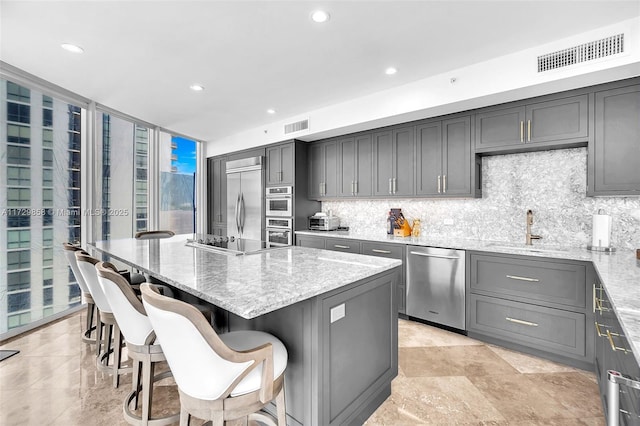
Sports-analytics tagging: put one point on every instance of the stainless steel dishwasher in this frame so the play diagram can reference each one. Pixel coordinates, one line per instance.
(435, 285)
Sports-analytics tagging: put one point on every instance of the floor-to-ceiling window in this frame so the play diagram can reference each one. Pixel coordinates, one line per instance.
(40, 147)
(122, 178)
(177, 183)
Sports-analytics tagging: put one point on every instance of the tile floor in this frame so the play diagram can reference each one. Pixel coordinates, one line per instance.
(444, 379)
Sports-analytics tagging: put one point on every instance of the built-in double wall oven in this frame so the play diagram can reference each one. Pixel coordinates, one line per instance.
(279, 216)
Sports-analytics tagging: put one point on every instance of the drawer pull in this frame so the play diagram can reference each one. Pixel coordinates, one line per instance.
(522, 322)
(341, 246)
(600, 333)
(613, 345)
(599, 306)
(381, 251)
(531, 280)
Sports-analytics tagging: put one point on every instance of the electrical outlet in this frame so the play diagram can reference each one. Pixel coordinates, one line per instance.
(448, 221)
(337, 312)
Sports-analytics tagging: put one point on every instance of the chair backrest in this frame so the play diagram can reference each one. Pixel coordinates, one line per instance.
(201, 363)
(70, 253)
(154, 235)
(86, 264)
(127, 308)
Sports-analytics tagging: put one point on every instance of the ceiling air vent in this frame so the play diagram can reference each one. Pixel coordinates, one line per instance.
(296, 127)
(585, 52)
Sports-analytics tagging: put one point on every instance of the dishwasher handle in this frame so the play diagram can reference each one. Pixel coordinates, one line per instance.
(439, 256)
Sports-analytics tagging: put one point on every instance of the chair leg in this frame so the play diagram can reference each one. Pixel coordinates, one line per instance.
(117, 352)
(147, 385)
(135, 383)
(184, 417)
(281, 408)
(99, 326)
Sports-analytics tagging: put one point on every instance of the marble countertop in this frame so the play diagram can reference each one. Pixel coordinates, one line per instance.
(619, 272)
(250, 285)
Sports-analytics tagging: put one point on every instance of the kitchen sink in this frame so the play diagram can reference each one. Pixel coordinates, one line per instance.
(528, 249)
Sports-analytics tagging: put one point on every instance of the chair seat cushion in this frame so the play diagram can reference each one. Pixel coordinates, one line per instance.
(246, 340)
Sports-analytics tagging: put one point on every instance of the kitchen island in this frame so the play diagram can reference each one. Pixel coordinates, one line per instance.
(335, 312)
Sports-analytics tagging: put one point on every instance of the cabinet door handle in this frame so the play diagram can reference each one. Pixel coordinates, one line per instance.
(355, 184)
(340, 246)
(320, 188)
(594, 302)
(381, 251)
(528, 130)
(438, 184)
(444, 184)
(390, 187)
(531, 280)
(521, 131)
(613, 345)
(394, 185)
(522, 322)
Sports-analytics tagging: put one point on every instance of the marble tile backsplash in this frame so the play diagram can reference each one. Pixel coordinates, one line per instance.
(551, 183)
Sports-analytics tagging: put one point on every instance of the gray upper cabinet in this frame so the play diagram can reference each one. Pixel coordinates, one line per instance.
(501, 127)
(393, 165)
(217, 192)
(355, 164)
(323, 170)
(280, 164)
(552, 122)
(614, 156)
(444, 158)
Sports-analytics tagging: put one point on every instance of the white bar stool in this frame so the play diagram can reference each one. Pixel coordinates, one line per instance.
(142, 346)
(220, 378)
(86, 264)
(70, 252)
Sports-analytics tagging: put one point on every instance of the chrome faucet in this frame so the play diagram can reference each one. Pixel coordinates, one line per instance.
(530, 236)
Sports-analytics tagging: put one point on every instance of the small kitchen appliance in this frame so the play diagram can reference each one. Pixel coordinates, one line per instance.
(321, 222)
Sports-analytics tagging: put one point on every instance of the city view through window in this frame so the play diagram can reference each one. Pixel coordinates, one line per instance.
(41, 193)
(40, 138)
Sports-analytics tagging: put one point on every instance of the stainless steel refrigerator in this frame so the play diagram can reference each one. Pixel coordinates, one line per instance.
(244, 198)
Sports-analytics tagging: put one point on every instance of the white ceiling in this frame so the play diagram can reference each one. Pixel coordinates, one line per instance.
(141, 56)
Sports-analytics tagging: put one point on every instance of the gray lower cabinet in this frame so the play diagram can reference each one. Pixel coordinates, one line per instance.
(613, 352)
(370, 248)
(344, 245)
(614, 156)
(553, 121)
(309, 241)
(393, 251)
(536, 305)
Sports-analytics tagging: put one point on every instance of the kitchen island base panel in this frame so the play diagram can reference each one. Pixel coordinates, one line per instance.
(338, 372)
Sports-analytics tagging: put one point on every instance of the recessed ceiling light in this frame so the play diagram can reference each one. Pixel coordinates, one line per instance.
(390, 71)
(271, 111)
(320, 16)
(72, 48)
(196, 88)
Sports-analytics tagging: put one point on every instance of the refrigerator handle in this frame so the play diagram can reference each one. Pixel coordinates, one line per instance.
(238, 214)
(242, 213)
